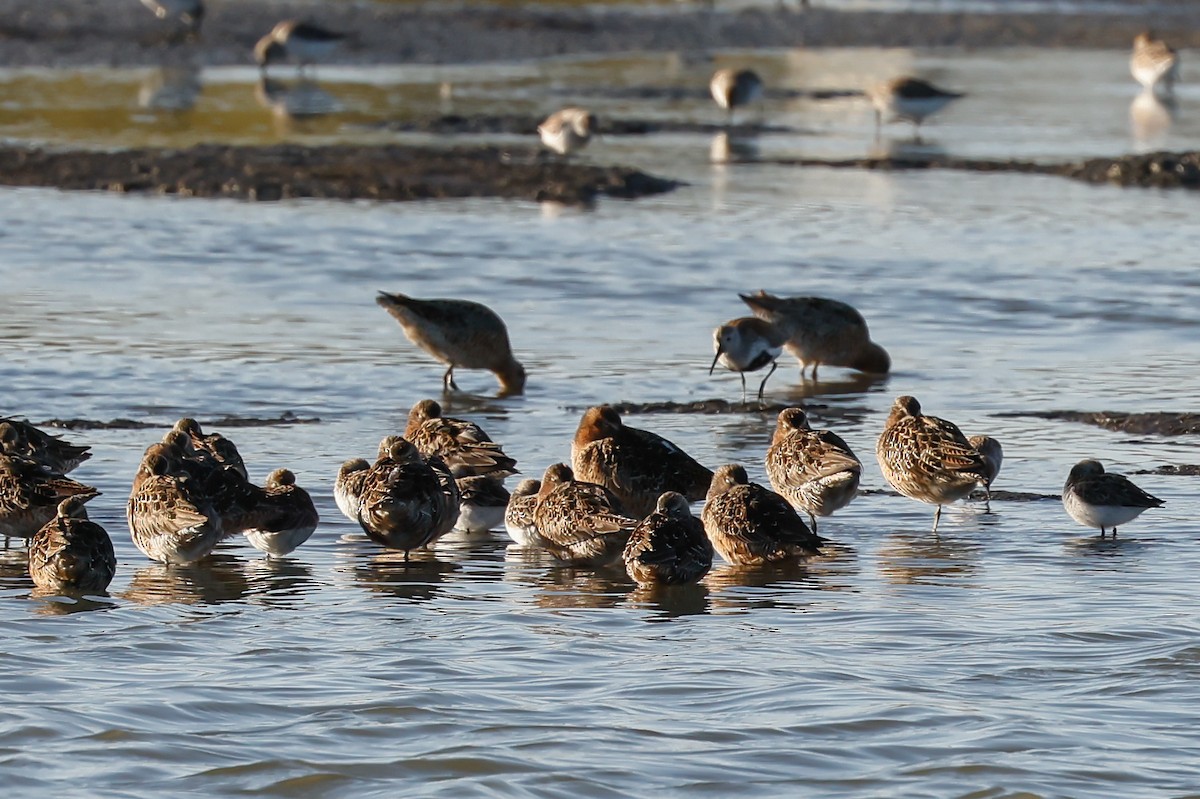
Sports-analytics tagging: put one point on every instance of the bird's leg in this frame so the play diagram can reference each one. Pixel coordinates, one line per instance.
(814, 374)
(1101, 533)
(936, 518)
(448, 383)
(987, 498)
(1114, 534)
(743, 376)
(813, 519)
(763, 384)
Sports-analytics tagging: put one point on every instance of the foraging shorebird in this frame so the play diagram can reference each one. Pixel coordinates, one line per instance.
(747, 344)
(348, 487)
(304, 42)
(1096, 498)
(908, 98)
(459, 333)
(821, 332)
(670, 546)
(750, 525)
(171, 519)
(482, 504)
(190, 12)
(21, 439)
(518, 516)
(70, 552)
(568, 130)
(733, 88)
(637, 466)
(993, 459)
(463, 445)
(814, 470)
(407, 502)
(284, 518)
(580, 522)
(30, 496)
(1154, 63)
(927, 458)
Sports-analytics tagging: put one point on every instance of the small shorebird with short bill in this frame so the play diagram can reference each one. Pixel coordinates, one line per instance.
(734, 88)
(459, 333)
(747, 344)
(1096, 498)
(814, 470)
(304, 42)
(70, 552)
(482, 503)
(927, 458)
(908, 98)
(670, 546)
(580, 523)
(751, 525)
(518, 516)
(348, 486)
(821, 332)
(568, 130)
(284, 518)
(993, 459)
(636, 465)
(1154, 63)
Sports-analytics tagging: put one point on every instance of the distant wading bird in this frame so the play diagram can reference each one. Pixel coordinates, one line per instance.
(1154, 63)
(567, 131)
(189, 12)
(745, 345)
(734, 88)
(459, 333)
(303, 42)
(821, 332)
(907, 98)
(1096, 498)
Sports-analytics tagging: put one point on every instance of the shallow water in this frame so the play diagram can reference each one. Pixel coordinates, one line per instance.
(1017, 655)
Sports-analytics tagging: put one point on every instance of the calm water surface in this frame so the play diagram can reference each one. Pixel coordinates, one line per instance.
(1017, 655)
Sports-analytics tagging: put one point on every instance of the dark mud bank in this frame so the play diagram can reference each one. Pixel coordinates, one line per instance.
(1156, 423)
(340, 172)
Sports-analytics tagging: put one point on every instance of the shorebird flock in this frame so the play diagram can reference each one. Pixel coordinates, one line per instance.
(625, 496)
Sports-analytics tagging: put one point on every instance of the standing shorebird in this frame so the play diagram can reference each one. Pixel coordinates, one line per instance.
(821, 331)
(1154, 63)
(459, 333)
(733, 88)
(71, 552)
(285, 516)
(636, 465)
(993, 459)
(304, 42)
(189, 12)
(30, 496)
(171, 518)
(348, 487)
(747, 344)
(908, 98)
(463, 445)
(406, 501)
(750, 525)
(580, 523)
(670, 546)
(518, 515)
(816, 471)
(1096, 498)
(23, 440)
(568, 130)
(482, 503)
(927, 458)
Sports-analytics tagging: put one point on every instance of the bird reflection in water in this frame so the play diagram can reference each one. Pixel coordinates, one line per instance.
(920, 559)
(294, 101)
(727, 148)
(170, 88)
(216, 579)
(790, 584)
(279, 581)
(419, 579)
(64, 603)
(564, 587)
(1150, 118)
(667, 602)
(911, 148)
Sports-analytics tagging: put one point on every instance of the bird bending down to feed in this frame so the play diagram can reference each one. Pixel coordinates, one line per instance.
(734, 88)
(568, 130)
(821, 332)
(814, 470)
(745, 345)
(927, 458)
(908, 98)
(1096, 498)
(459, 333)
(993, 459)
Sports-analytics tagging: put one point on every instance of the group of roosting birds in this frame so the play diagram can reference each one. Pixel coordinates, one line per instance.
(625, 494)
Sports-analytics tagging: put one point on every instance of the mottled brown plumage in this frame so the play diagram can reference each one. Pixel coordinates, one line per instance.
(407, 502)
(459, 333)
(70, 552)
(463, 445)
(927, 458)
(215, 444)
(23, 440)
(821, 332)
(348, 487)
(580, 522)
(284, 518)
(814, 470)
(636, 465)
(518, 516)
(171, 519)
(30, 495)
(750, 525)
(670, 546)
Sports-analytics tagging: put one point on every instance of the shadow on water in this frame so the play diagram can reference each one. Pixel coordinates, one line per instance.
(386, 572)
(793, 585)
(565, 587)
(216, 579)
(1106, 554)
(64, 603)
(911, 558)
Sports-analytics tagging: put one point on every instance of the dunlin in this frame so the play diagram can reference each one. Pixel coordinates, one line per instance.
(459, 333)
(821, 332)
(23, 440)
(927, 458)
(463, 445)
(669, 547)
(30, 495)
(483, 501)
(348, 487)
(733, 88)
(407, 502)
(284, 518)
(579, 522)
(304, 42)
(750, 525)
(1154, 63)
(745, 345)
(70, 552)
(993, 459)
(816, 471)
(908, 98)
(518, 516)
(171, 519)
(636, 465)
(189, 12)
(1096, 498)
(568, 130)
